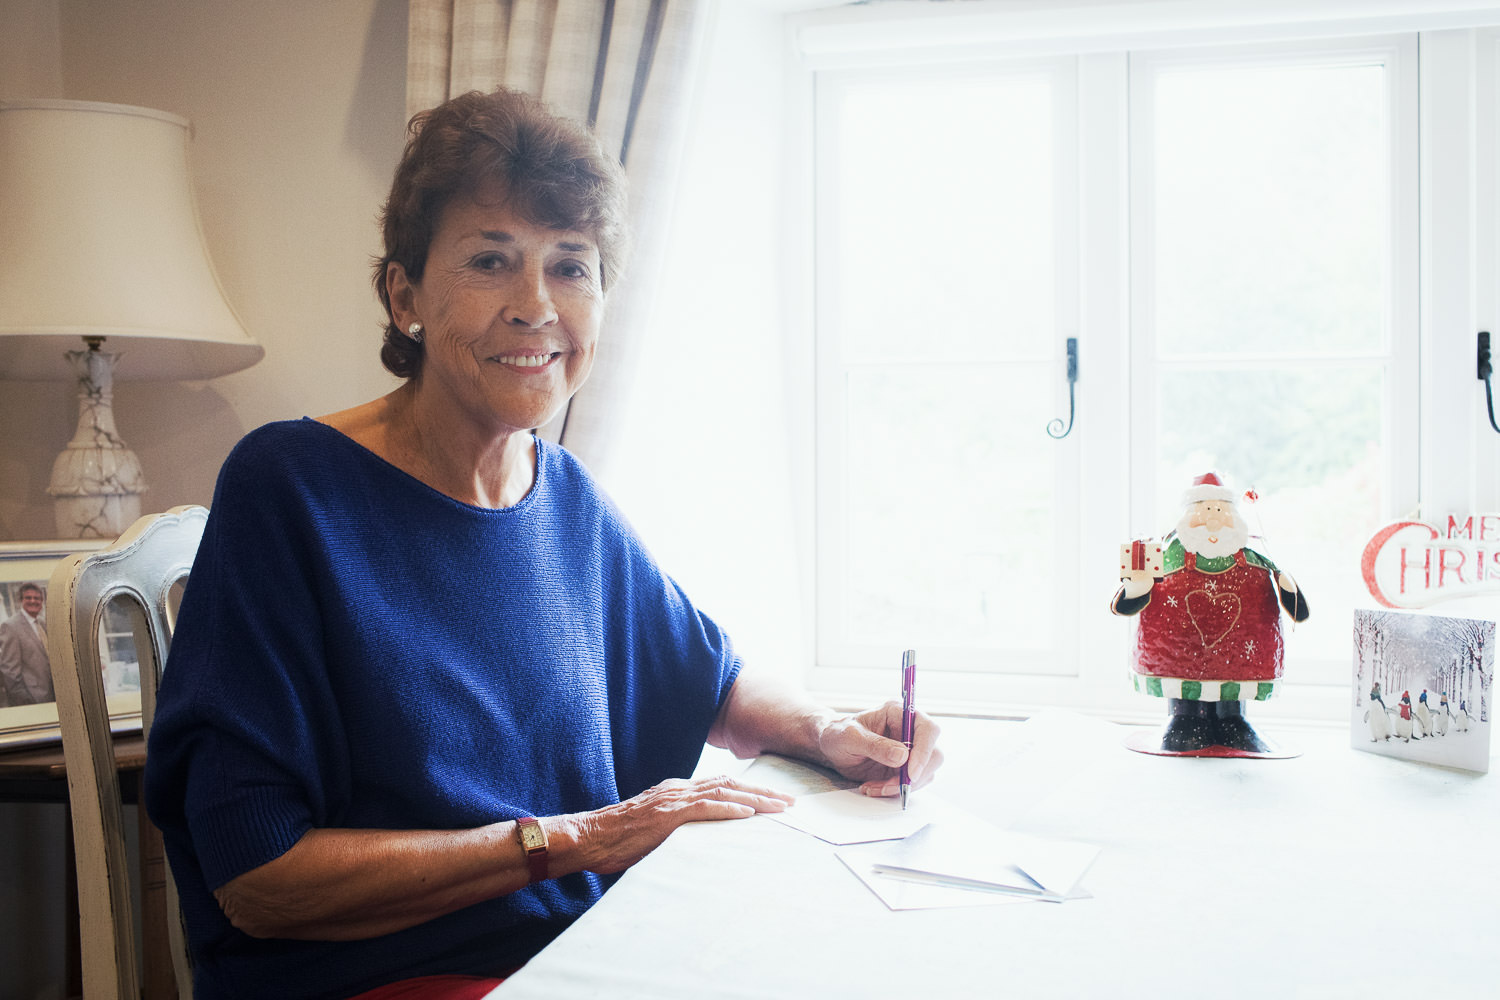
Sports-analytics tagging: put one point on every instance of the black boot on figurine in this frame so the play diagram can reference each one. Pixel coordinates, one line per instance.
(1205, 729)
(1191, 726)
(1236, 733)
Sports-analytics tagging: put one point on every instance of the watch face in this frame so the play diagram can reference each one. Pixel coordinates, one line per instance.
(532, 837)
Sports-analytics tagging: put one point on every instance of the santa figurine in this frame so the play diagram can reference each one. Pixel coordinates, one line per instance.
(1208, 632)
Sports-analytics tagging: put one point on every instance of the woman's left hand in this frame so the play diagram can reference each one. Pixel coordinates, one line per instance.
(867, 747)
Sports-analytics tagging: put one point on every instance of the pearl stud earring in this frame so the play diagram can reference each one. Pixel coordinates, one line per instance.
(416, 332)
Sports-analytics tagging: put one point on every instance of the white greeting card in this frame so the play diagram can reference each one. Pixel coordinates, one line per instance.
(1423, 687)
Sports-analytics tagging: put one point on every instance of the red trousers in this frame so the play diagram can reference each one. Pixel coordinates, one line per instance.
(433, 988)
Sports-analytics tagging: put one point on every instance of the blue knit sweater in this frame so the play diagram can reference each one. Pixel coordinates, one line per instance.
(355, 649)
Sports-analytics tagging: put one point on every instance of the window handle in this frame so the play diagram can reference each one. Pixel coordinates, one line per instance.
(1485, 370)
(1055, 427)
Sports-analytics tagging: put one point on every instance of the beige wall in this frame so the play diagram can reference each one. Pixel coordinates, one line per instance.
(298, 115)
(30, 49)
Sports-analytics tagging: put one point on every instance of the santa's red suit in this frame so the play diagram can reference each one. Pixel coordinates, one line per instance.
(1211, 635)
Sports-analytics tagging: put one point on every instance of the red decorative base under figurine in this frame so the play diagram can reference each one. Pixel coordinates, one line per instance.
(1206, 729)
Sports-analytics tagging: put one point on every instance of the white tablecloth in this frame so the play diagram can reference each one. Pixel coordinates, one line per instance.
(1334, 874)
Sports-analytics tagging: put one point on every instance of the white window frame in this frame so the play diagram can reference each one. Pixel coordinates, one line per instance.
(1458, 109)
(1459, 468)
(1485, 211)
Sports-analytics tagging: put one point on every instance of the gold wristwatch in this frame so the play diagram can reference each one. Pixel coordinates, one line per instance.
(534, 842)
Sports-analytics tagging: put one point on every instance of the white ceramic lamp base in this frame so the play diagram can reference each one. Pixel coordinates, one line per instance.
(96, 482)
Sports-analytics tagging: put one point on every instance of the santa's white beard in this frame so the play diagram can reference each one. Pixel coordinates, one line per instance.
(1225, 542)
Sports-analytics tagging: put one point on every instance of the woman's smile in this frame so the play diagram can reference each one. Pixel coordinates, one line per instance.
(528, 360)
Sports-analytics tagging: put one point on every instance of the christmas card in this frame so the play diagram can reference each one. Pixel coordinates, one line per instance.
(1423, 687)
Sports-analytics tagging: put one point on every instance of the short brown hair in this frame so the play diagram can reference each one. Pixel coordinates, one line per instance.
(552, 168)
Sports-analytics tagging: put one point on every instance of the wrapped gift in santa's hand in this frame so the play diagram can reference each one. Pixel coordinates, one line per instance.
(1140, 567)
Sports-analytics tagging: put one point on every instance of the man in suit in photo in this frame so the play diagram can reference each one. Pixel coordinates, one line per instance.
(25, 673)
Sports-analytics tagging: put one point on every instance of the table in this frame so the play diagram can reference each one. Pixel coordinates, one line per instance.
(40, 775)
(1337, 874)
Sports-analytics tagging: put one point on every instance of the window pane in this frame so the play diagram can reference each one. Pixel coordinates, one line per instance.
(939, 299)
(949, 539)
(945, 217)
(1272, 210)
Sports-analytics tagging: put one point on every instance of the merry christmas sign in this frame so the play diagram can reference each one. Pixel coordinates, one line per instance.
(1413, 564)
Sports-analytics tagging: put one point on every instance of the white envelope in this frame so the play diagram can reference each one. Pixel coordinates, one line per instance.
(981, 857)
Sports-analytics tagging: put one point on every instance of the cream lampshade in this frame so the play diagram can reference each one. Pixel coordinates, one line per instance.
(104, 275)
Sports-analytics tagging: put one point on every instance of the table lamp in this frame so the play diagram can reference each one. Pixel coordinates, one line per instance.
(104, 275)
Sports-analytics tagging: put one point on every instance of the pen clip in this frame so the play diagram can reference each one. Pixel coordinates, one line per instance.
(908, 686)
(908, 713)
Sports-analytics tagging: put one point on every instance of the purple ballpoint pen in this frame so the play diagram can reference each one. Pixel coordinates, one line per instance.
(908, 714)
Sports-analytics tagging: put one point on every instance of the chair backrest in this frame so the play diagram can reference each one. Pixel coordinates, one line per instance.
(145, 567)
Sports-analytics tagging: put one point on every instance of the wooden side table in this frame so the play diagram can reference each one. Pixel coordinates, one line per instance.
(39, 775)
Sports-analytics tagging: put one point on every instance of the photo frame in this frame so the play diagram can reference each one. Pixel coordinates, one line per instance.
(30, 719)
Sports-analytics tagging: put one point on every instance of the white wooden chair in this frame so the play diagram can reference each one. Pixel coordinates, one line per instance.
(145, 567)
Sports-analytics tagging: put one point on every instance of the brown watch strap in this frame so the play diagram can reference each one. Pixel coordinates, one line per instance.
(536, 857)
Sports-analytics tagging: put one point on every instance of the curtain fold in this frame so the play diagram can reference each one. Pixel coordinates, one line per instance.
(623, 66)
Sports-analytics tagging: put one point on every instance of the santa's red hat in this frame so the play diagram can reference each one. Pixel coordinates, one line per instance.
(1207, 487)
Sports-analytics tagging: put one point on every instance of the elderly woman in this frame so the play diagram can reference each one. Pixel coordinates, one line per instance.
(428, 691)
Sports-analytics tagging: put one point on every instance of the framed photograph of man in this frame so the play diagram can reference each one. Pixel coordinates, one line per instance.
(28, 710)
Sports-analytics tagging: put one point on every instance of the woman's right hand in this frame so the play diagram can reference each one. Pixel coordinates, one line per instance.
(612, 839)
(344, 885)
